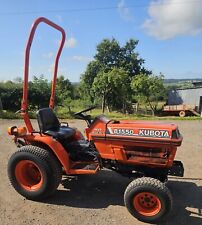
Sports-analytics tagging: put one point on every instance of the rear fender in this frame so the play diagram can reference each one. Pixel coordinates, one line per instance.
(58, 150)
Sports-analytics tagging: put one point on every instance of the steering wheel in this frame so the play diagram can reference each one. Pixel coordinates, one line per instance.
(85, 110)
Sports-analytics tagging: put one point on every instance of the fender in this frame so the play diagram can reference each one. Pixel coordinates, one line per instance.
(54, 145)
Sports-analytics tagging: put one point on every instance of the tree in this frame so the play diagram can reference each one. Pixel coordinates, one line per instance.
(107, 82)
(149, 88)
(111, 55)
(108, 54)
(39, 92)
(11, 94)
(93, 68)
(64, 92)
(64, 88)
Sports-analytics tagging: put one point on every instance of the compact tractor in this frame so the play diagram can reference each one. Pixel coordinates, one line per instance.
(144, 151)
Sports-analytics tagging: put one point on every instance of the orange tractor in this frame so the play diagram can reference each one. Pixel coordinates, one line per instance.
(144, 151)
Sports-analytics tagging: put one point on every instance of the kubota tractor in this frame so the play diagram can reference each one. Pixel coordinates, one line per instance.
(144, 151)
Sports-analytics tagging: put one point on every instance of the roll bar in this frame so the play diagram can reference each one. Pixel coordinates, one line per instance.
(24, 103)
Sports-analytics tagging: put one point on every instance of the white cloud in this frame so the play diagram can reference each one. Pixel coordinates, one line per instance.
(81, 58)
(70, 43)
(124, 11)
(48, 55)
(168, 19)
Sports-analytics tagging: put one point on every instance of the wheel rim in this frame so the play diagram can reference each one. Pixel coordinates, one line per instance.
(182, 113)
(28, 175)
(147, 204)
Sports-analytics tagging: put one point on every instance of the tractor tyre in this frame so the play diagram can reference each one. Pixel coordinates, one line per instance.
(34, 172)
(148, 199)
(182, 113)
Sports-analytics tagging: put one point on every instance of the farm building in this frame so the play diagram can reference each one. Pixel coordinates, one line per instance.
(188, 96)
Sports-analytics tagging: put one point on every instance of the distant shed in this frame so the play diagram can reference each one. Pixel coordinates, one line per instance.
(188, 96)
(197, 83)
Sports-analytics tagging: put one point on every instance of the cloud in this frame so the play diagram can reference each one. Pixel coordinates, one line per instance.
(168, 19)
(81, 58)
(124, 11)
(70, 43)
(48, 55)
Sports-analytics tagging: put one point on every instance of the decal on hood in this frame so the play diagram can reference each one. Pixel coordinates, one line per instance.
(138, 132)
(153, 133)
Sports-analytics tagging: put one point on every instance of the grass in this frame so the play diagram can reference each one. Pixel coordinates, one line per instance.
(63, 113)
(121, 116)
(4, 114)
(9, 115)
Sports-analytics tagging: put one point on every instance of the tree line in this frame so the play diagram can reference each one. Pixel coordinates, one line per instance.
(114, 80)
(38, 93)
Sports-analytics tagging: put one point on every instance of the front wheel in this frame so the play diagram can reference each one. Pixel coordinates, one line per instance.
(34, 172)
(148, 199)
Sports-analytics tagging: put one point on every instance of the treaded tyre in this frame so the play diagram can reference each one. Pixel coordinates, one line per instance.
(148, 199)
(34, 172)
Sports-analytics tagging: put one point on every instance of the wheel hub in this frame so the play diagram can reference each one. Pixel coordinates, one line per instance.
(147, 204)
(28, 175)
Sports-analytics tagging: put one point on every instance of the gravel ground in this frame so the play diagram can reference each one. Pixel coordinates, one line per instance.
(98, 199)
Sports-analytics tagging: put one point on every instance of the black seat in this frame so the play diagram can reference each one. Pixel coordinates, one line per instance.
(50, 125)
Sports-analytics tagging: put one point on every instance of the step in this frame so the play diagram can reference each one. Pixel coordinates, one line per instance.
(84, 168)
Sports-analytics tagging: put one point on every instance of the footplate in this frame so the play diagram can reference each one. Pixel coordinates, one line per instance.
(84, 168)
(177, 169)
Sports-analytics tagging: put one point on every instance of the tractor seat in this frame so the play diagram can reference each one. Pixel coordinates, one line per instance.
(50, 125)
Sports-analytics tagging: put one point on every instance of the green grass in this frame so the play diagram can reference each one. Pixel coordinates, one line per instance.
(63, 113)
(4, 114)
(121, 116)
(9, 115)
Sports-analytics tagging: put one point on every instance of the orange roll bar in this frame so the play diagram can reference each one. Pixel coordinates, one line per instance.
(24, 103)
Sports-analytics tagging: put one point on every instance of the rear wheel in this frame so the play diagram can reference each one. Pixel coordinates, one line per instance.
(34, 172)
(148, 199)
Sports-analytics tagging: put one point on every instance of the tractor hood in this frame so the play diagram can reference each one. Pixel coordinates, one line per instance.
(135, 130)
(150, 143)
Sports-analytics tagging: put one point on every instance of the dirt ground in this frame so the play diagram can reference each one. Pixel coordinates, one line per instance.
(98, 199)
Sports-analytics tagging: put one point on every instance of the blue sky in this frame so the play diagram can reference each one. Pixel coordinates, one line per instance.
(169, 34)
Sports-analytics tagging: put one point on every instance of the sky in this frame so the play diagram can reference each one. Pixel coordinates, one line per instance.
(169, 34)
